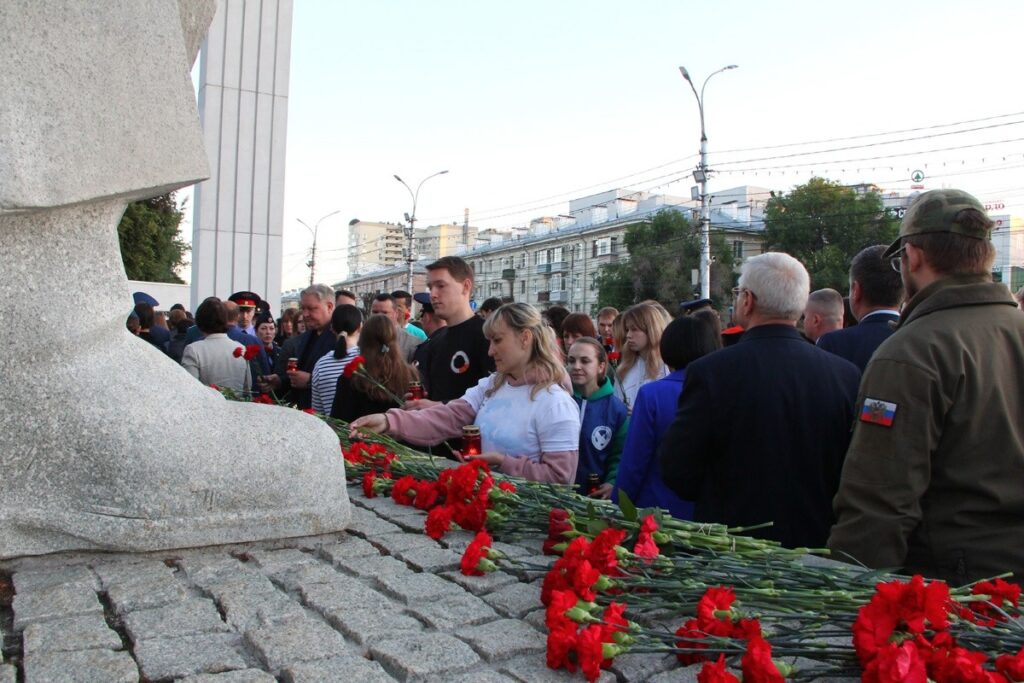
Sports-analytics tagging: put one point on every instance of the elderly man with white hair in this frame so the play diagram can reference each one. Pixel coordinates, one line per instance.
(762, 426)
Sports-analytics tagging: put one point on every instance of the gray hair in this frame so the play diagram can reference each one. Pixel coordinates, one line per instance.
(779, 282)
(321, 292)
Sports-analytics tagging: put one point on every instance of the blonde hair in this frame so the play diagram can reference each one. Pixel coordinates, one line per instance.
(545, 363)
(652, 321)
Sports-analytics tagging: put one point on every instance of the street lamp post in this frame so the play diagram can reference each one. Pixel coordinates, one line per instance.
(313, 231)
(411, 220)
(701, 176)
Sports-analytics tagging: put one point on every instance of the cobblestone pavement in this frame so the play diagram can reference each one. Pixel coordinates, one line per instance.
(380, 602)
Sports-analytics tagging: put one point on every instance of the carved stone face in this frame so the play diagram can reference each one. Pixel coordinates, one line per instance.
(97, 101)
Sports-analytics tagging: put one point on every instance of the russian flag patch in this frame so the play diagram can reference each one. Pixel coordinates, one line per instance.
(878, 412)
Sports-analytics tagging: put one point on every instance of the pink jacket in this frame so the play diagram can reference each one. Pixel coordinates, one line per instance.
(445, 421)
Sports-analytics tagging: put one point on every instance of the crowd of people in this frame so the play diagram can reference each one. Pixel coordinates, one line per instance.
(886, 425)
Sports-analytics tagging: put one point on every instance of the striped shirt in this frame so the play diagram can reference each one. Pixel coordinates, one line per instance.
(325, 379)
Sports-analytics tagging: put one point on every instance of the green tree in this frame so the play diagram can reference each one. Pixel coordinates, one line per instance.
(663, 252)
(825, 224)
(151, 248)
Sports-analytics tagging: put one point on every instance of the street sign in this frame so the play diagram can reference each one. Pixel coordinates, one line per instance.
(917, 176)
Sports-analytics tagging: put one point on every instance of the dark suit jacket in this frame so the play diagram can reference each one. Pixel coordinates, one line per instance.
(760, 435)
(856, 344)
(308, 348)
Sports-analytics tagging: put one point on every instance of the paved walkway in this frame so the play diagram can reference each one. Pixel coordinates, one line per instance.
(381, 602)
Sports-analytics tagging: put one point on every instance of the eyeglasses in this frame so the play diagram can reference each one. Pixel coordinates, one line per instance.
(897, 258)
(736, 291)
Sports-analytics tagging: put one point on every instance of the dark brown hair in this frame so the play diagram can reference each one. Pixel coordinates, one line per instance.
(578, 323)
(212, 317)
(378, 344)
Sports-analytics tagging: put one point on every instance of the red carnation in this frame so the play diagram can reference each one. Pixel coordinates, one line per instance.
(561, 602)
(645, 546)
(471, 517)
(590, 651)
(507, 486)
(427, 495)
(718, 599)
(716, 672)
(265, 399)
(403, 490)
(957, 665)
(353, 367)
(561, 645)
(613, 620)
(757, 664)
(999, 593)
(614, 356)
(251, 351)
(583, 579)
(897, 664)
(602, 551)
(1011, 666)
(476, 555)
(368, 479)
(439, 521)
(690, 631)
(237, 353)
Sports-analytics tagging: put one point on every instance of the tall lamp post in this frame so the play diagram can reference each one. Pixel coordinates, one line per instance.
(701, 176)
(313, 231)
(411, 220)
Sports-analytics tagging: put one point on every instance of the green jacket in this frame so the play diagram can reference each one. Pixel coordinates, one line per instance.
(933, 481)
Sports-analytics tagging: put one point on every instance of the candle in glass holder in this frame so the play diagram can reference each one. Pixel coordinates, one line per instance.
(471, 440)
(293, 364)
(415, 390)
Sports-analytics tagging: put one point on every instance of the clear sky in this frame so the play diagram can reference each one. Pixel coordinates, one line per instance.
(529, 104)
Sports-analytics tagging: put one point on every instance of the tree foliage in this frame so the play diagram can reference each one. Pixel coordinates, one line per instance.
(825, 224)
(663, 252)
(151, 248)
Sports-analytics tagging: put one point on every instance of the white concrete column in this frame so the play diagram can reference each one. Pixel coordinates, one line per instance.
(243, 108)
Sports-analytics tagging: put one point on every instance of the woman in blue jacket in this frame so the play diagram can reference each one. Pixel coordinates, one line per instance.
(684, 340)
(604, 417)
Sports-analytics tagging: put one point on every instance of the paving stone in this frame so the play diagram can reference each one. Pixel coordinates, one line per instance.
(155, 592)
(641, 666)
(457, 540)
(536, 619)
(485, 676)
(372, 567)
(55, 602)
(296, 640)
(372, 526)
(8, 674)
(532, 567)
(413, 588)
(503, 639)
(27, 581)
(176, 657)
(479, 585)
(363, 626)
(411, 522)
(352, 546)
(681, 674)
(534, 669)
(252, 584)
(344, 593)
(344, 669)
(431, 560)
(452, 612)
(515, 600)
(424, 656)
(207, 573)
(242, 676)
(273, 561)
(185, 618)
(246, 610)
(73, 633)
(84, 666)
(532, 546)
(125, 572)
(295, 576)
(394, 544)
(511, 550)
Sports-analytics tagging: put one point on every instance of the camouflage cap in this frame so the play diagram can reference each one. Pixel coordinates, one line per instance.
(935, 211)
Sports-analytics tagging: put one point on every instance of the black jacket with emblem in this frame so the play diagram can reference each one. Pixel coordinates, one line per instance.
(940, 491)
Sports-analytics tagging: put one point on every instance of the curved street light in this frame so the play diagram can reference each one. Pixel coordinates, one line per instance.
(313, 231)
(701, 176)
(411, 219)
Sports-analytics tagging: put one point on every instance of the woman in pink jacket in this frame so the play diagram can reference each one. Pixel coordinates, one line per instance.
(529, 424)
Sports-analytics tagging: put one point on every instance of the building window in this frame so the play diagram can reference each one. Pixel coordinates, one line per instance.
(541, 257)
(603, 246)
(522, 286)
(737, 249)
(557, 254)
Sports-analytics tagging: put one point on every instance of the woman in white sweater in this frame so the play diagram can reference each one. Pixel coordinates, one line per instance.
(529, 423)
(213, 359)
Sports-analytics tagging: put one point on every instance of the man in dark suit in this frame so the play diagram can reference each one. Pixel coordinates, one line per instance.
(875, 291)
(762, 426)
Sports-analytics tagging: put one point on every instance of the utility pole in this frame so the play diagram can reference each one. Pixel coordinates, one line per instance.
(312, 254)
(701, 176)
(411, 220)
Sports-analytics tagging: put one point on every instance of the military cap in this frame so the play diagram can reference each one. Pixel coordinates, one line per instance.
(936, 211)
(245, 299)
(691, 306)
(423, 299)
